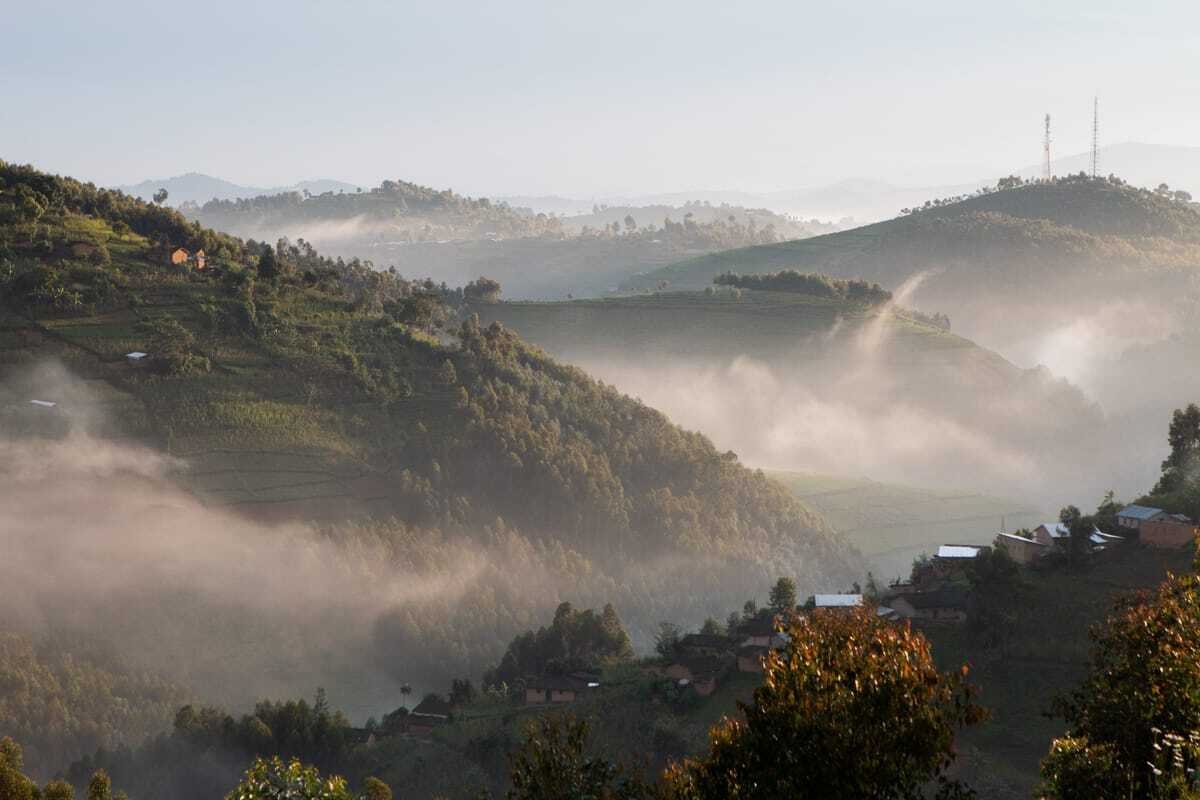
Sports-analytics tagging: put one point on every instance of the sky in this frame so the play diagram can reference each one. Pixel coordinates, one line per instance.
(574, 98)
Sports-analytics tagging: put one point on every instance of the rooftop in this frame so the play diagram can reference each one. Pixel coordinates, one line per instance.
(959, 551)
(1139, 512)
(433, 706)
(837, 600)
(1003, 535)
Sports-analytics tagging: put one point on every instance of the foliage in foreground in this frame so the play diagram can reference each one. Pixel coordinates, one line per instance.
(15, 785)
(853, 707)
(1134, 724)
(275, 780)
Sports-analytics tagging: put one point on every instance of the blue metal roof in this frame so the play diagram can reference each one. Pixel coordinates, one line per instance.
(1139, 512)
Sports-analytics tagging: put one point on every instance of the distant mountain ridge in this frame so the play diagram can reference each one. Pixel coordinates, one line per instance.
(196, 187)
(866, 200)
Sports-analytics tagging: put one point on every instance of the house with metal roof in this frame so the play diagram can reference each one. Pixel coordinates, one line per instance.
(1058, 534)
(947, 606)
(957, 551)
(1132, 516)
(837, 600)
(558, 688)
(1021, 549)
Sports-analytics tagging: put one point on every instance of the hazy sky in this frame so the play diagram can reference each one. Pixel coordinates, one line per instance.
(577, 98)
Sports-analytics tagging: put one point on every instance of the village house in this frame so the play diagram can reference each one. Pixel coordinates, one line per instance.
(702, 673)
(759, 631)
(543, 689)
(1021, 549)
(429, 714)
(201, 259)
(957, 554)
(1059, 535)
(179, 256)
(948, 562)
(947, 606)
(1133, 516)
(1168, 531)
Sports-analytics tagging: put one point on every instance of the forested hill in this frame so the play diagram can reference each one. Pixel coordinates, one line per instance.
(394, 210)
(298, 388)
(1023, 232)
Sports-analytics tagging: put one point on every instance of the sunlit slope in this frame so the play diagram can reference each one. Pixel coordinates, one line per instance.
(1010, 234)
(314, 402)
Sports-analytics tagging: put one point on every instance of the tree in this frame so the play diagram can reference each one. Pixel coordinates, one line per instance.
(160, 196)
(268, 264)
(13, 783)
(852, 708)
(422, 310)
(1106, 513)
(461, 691)
(482, 290)
(1133, 723)
(575, 640)
(1080, 529)
(783, 596)
(667, 639)
(551, 764)
(275, 780)
(712, 628)
(1184, 438)
(100, 786)
(375, 789)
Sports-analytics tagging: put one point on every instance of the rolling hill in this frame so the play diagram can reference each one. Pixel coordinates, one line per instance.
(433, 484)
(1086, 277)
(797, 382)
(1076, 222)
(455, 239)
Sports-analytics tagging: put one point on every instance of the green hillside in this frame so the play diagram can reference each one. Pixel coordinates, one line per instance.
(798, 382)
(298, 388)
(1069, 224)
(893, 525)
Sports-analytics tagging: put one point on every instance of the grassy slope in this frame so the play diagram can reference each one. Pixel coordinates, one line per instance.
(1047, 656)
(893, 524)
(1087, 209)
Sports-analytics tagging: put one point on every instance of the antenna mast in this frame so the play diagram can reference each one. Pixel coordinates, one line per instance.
(1095, 136)
(1046, 152)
